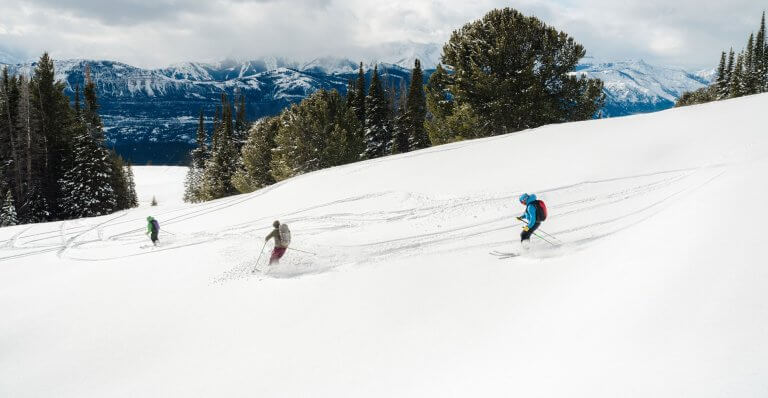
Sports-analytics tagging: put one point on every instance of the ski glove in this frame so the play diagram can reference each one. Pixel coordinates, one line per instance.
(525, 228)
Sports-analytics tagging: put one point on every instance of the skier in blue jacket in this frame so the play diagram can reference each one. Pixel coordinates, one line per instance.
(530, 217)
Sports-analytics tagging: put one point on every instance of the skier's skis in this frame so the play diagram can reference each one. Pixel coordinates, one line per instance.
(503, 255)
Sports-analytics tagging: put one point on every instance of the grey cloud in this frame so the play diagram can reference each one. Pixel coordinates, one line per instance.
(158, 32)
(133, 12)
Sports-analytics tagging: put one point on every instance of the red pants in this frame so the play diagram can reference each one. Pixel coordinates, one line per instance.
(277, 253)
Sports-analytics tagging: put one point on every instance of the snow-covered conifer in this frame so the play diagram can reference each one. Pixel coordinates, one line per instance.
(378, 130)
(8, 211)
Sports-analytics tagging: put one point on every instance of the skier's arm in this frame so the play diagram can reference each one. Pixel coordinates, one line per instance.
(271, 235)
(531, 216)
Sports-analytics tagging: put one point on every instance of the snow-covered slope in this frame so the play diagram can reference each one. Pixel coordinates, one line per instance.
(658, 288)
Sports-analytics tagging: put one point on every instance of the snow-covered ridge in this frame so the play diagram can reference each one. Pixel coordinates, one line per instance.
(638, 85)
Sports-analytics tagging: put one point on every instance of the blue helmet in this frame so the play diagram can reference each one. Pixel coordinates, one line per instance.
(524, 198)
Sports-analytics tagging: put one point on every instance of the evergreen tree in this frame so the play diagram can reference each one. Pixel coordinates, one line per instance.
(95, 184)
(351, 91)
(222, 165)
(193, 185)
(8, 211)
(749, 75)
(359, 104)
(378, 134)
(29, 159)
(700, 96)
(87, 186)
(439, 102)
(313, 135)
(122, 183)
(216, 126)
(391, 93)
(54, 126)
(358, 107)
(9, 146)
(765, 57)
(761, 64)
(729, 73)
(3, 185)
(91, 111)
(200, 153)
(514, 73)
(401, 123)
(255, 172)
(722, 78)
(133, 199)
(736, 88)
(78, 110)
(35, 208)
(416, 110)
(348, 136)
(240, 133)
(446, 121)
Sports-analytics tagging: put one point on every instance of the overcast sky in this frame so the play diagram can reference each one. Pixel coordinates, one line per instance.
(154, 33)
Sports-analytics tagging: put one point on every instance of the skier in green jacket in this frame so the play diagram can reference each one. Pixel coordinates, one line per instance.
(153, 228)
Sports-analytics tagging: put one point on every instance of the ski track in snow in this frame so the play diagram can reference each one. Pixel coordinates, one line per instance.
(579, 214)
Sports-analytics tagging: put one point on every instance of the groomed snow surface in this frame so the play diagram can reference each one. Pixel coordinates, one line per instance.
(660, 287)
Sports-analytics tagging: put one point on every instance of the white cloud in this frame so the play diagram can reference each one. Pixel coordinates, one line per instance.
(159, 32)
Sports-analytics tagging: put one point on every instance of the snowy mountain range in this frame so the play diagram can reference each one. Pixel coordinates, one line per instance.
(150, 114)
(637, 87)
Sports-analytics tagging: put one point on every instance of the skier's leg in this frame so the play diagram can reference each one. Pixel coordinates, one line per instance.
(534, 228)
(281, 253)
(277, 253)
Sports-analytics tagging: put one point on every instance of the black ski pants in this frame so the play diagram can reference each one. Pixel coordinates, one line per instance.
(526, 235)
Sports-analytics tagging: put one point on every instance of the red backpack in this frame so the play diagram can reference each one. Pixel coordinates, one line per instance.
(541, 210)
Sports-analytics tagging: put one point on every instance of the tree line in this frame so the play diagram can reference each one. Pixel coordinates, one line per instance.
(54, 162)
(324, 130)
(503, 73)
(741, 74)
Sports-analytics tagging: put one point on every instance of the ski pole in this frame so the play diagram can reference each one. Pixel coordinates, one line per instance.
(550, 235)
(545, 240)
(303, 251)
(545, 233)
(261, 253)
